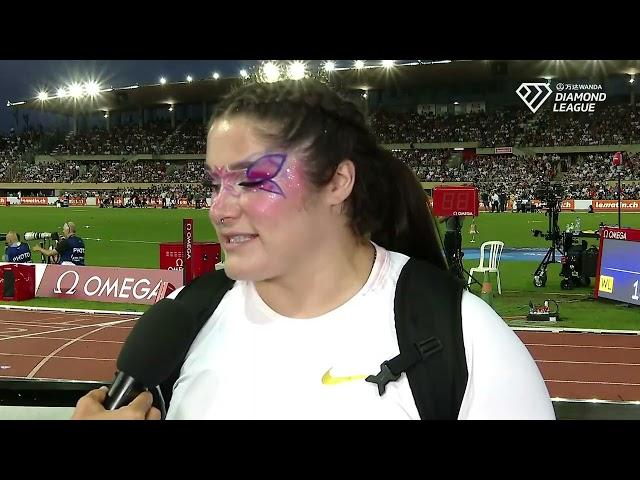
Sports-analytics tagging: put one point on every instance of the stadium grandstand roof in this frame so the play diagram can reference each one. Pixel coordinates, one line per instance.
(373, 76)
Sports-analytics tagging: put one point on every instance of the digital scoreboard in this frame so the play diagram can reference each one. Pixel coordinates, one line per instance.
(618, 275)
(455, 201)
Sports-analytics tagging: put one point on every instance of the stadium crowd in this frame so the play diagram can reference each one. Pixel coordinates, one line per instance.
(499, 128)
(517, 176)
(593, 167)
(157, 138)
(608, 125)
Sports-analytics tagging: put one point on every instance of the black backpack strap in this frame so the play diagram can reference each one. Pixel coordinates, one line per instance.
(428, 320)
(202, 296)
(390, 370)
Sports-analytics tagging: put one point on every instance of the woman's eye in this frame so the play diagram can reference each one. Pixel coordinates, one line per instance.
(251, 184)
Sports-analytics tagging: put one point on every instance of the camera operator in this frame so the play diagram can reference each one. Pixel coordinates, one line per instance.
(70, 249)
(495, 202)
(452, 237)
(16, 251)
(502, 196)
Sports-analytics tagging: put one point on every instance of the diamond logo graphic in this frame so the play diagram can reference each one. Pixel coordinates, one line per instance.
(534, 94)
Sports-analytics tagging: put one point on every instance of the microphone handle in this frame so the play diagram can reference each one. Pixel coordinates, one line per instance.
(123, 391)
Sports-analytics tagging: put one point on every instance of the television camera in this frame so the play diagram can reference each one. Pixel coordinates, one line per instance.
(578, 261)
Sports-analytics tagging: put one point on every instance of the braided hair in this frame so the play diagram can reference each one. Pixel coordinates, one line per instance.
(387, 203)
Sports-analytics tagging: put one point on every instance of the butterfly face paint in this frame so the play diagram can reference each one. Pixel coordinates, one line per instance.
(259, 174)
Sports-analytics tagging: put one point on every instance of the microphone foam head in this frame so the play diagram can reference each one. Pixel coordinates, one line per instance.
(158, 342)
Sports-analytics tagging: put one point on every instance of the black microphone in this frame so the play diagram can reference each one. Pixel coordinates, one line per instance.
(153, 350)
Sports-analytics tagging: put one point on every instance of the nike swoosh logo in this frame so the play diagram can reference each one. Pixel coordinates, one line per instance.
(328, 379)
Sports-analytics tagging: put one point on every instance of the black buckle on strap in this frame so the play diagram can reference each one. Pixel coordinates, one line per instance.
(381, 379)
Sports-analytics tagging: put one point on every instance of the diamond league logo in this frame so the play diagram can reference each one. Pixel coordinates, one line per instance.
(534, 94)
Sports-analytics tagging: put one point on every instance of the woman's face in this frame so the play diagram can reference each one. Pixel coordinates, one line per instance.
(262, 207)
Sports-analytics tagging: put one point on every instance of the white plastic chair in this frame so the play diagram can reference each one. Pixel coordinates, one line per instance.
(495, 253)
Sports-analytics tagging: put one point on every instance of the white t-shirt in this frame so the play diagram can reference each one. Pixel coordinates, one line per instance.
(249, 362)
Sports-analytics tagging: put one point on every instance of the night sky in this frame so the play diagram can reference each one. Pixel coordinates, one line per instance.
(22, 79)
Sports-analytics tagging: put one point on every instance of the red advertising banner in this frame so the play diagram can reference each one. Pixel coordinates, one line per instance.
(612, 205)
(75, 202)
(34, 201)
(614, 233)
(106, 284)
(171, 256)
(4, 201)
(567, 204)
(503, 150)
(187, 241)
(24, 281)
(116, 200)
(205, 256)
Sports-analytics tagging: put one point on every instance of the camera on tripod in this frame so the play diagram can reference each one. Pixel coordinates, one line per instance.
(578, 261)
(550, 195)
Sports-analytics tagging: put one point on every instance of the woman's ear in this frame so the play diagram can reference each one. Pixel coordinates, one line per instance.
(341, 184)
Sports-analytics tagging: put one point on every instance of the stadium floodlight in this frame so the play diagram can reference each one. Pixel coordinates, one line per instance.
(270, 72)
(388, 63)
(244, 73)
(189, 78)
(632, 79)
(171, 108)
(62, 92)
(297, 70)
(216, 75)
(43, 95)
(329, 66)
(163, 81)
(92, 88)
(75, 90)
(456, 103)
(106, 114)
(365, 95)
(359, 64)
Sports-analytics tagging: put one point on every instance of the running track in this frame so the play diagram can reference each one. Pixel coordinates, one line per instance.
(83, 346)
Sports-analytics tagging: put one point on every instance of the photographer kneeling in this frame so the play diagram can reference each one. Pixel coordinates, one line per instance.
(70, 248)
(16, 251)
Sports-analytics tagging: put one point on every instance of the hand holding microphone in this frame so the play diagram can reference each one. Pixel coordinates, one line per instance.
(153, 350)
(91, 407)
